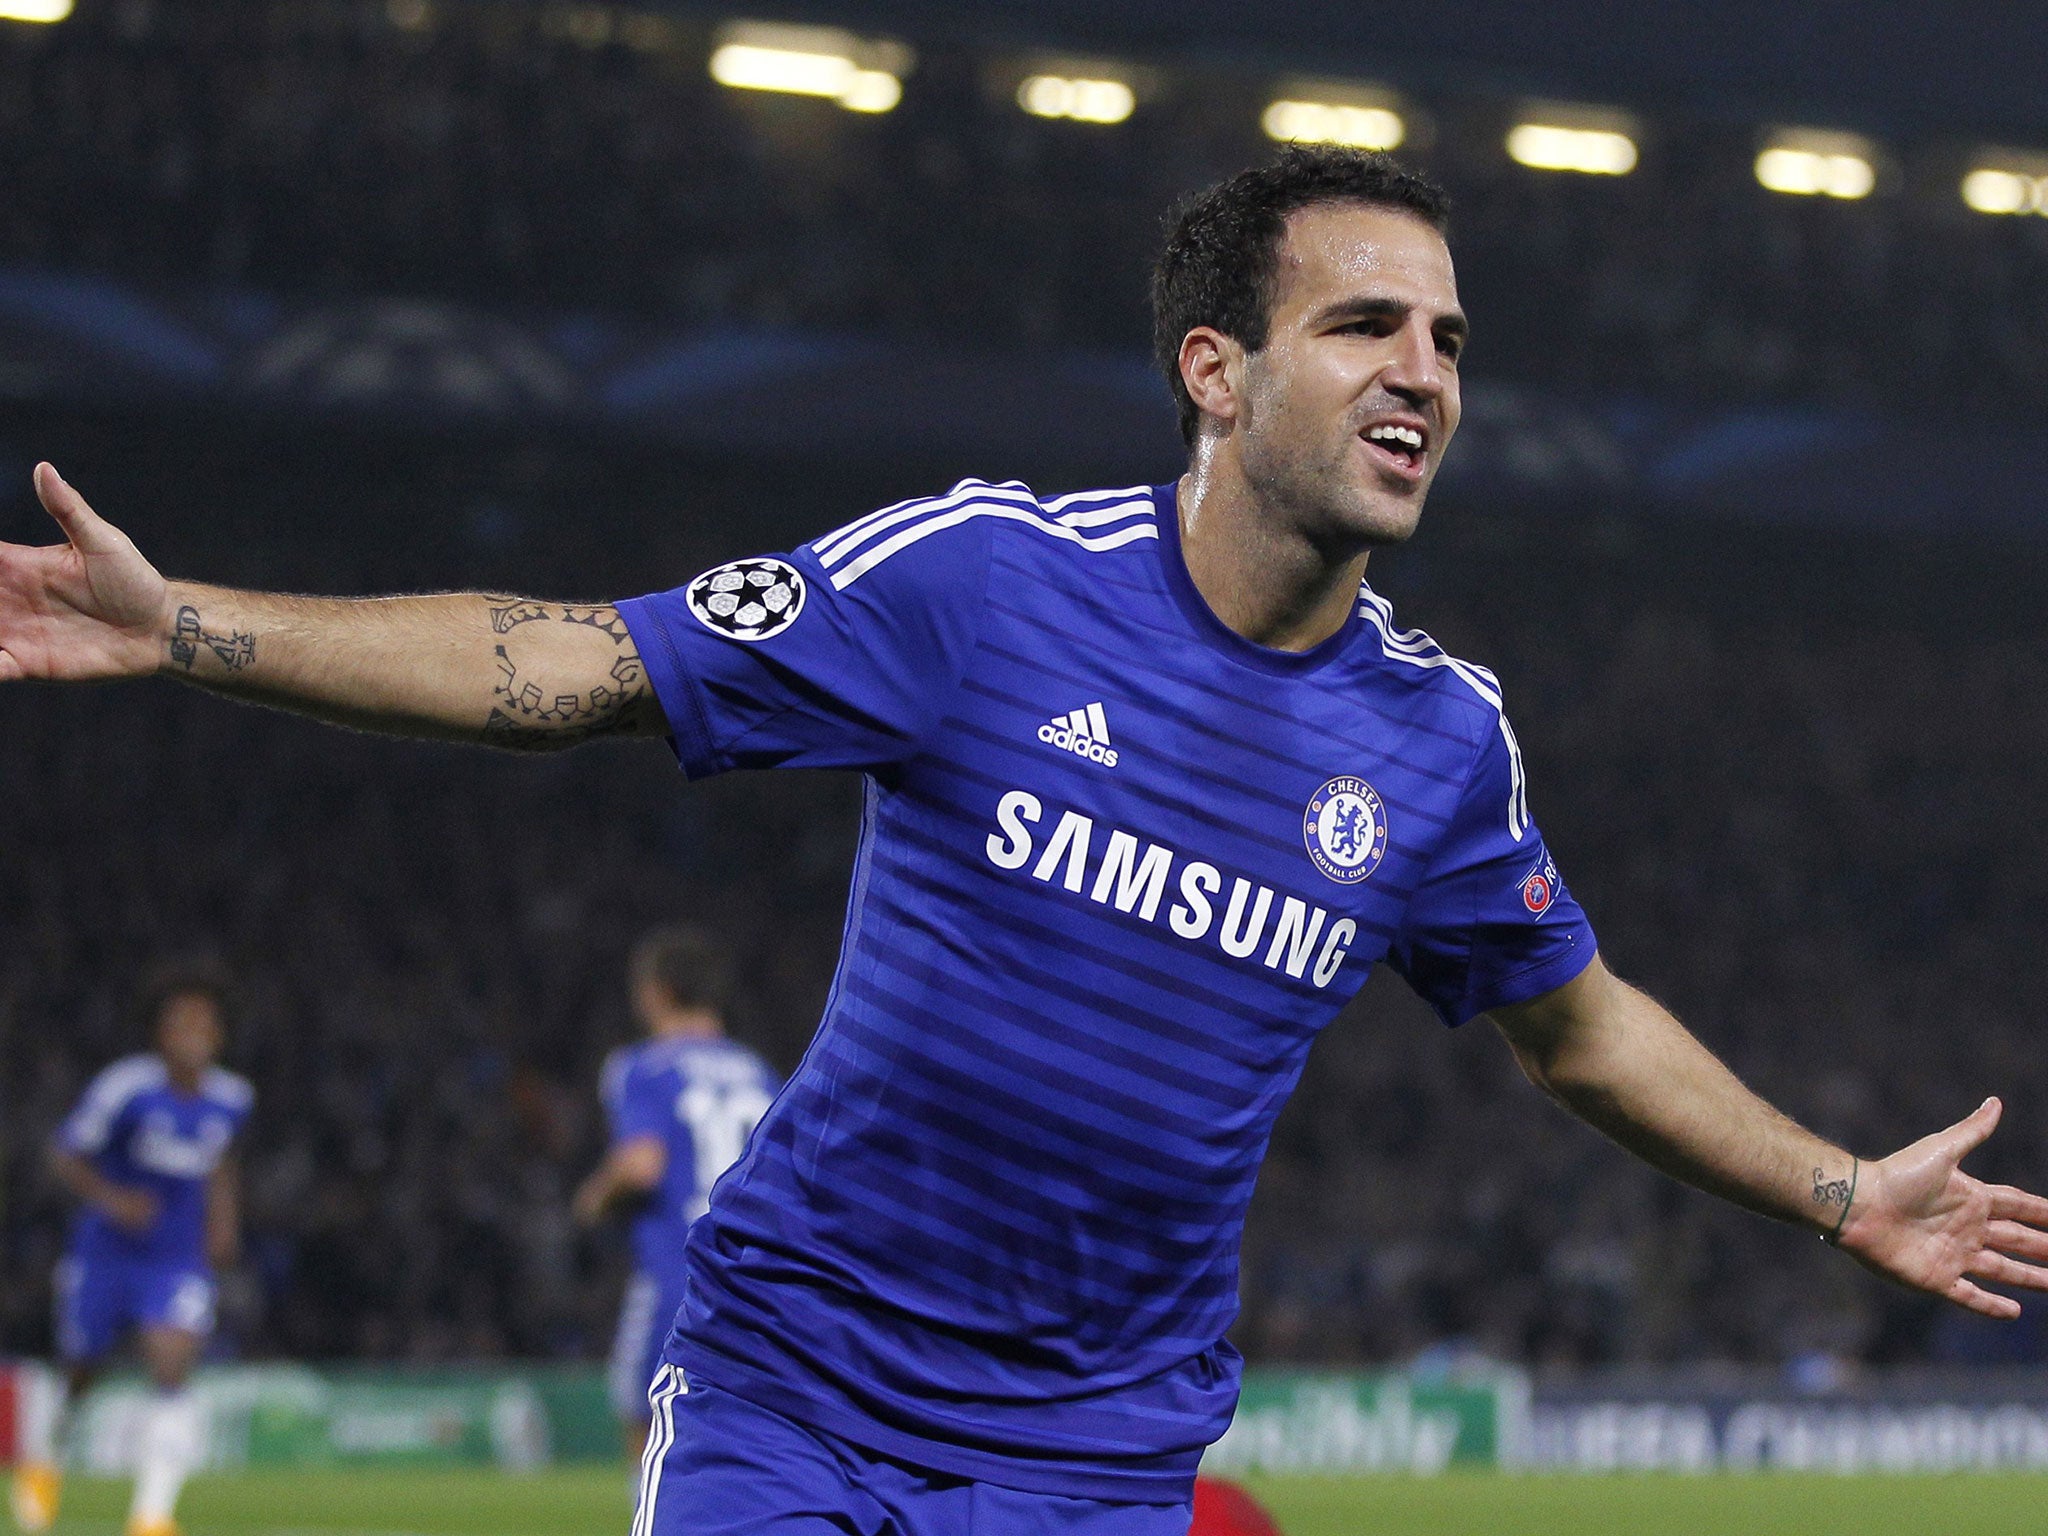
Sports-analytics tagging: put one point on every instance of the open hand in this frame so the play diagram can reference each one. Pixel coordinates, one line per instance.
(88, 609)
(1917, 1218)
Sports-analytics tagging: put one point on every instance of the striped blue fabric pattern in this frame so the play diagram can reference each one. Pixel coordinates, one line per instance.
(1118, 866)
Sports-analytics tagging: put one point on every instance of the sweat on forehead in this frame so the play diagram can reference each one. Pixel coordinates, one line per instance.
(1360, 242)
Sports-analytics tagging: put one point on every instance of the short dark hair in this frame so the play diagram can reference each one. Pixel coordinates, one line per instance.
(169, 979)
(1222, 250)
(687, 963)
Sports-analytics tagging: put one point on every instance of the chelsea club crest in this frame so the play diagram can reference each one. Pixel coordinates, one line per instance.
(1345, 828)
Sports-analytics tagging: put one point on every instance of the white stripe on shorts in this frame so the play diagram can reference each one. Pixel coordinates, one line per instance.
(669, 1384)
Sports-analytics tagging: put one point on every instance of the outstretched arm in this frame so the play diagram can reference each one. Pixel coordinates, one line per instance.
(1622, 1063)
(508, 672)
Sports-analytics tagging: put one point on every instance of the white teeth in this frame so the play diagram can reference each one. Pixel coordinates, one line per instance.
(1408, 437)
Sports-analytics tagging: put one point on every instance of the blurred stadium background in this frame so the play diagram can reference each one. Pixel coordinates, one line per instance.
(1748, 513)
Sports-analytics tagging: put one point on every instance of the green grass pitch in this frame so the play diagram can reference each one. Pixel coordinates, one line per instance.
(592, 1502)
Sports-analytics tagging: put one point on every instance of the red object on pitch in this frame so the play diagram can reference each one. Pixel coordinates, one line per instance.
(10, 1427)
(1224, 1509)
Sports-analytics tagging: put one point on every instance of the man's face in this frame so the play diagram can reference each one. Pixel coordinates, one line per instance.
(1347, 409)
(189, 1032)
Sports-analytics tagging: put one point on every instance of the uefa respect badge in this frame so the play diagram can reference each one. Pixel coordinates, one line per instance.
(1345, 829)
(1541, 885)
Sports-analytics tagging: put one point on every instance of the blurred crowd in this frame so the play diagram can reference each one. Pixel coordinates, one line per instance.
(1791, 777)
(576, 156)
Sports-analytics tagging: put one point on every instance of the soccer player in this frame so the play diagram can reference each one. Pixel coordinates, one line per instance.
(681, 1105)
(147, 1155)
(1153, 780)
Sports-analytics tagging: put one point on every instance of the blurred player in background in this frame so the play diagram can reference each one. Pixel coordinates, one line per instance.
(681, 1105)
(147, 1155)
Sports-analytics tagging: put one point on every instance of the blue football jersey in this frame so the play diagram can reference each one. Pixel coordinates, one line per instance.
(140, 1130)
(701, 1099)
(1118, 866)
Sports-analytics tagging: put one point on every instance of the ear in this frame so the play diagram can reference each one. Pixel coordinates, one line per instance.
(1212, 369)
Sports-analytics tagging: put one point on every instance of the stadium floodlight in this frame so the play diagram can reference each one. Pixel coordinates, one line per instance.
(35, 10)
(1357, 121)
(1990, 190)
(1811, 162)
(1589, 140)
(1079, 99)
(2007, 181)
(862, 75)
(871, 90)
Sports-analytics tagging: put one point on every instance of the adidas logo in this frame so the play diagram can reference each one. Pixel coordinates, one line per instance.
(1083, 732)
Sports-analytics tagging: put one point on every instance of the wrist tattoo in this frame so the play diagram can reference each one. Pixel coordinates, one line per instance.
(1829, 1192)
(531, 712)
(235, 650)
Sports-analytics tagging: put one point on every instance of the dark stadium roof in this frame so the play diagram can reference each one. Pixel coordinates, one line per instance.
(1974, 66)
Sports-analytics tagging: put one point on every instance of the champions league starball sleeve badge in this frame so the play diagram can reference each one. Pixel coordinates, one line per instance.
(748, 599)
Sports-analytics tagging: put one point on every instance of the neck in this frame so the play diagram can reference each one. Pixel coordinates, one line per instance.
(184, 1079)
(1265, 579)
(686, 1024)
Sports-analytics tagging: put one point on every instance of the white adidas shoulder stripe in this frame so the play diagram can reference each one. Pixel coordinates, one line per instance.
(853, 551)
(839, 540)
(1416, 649)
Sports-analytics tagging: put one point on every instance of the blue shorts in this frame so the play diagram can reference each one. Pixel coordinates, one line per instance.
(719, 1466)
(645, 1316)
(99, 1300)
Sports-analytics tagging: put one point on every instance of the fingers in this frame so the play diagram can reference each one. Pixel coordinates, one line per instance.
(1984, 1302)
(1999, 1269)
(2012, 1237)
(2009, 1204)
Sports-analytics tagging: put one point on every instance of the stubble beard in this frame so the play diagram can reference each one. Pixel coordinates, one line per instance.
(1323, 498)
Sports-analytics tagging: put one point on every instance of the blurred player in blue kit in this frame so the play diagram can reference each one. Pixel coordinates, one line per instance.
(1153, 781)
(680, 1106)
(147, 1153)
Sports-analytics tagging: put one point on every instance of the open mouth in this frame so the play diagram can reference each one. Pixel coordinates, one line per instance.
(1403, 449)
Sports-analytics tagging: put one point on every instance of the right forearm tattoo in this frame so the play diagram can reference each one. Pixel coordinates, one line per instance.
(532, 711)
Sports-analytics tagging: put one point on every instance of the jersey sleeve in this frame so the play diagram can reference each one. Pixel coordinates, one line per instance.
(234, 1094)
(104, 1108)
(636, 1103)
(1491, 923)
(813, 660)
